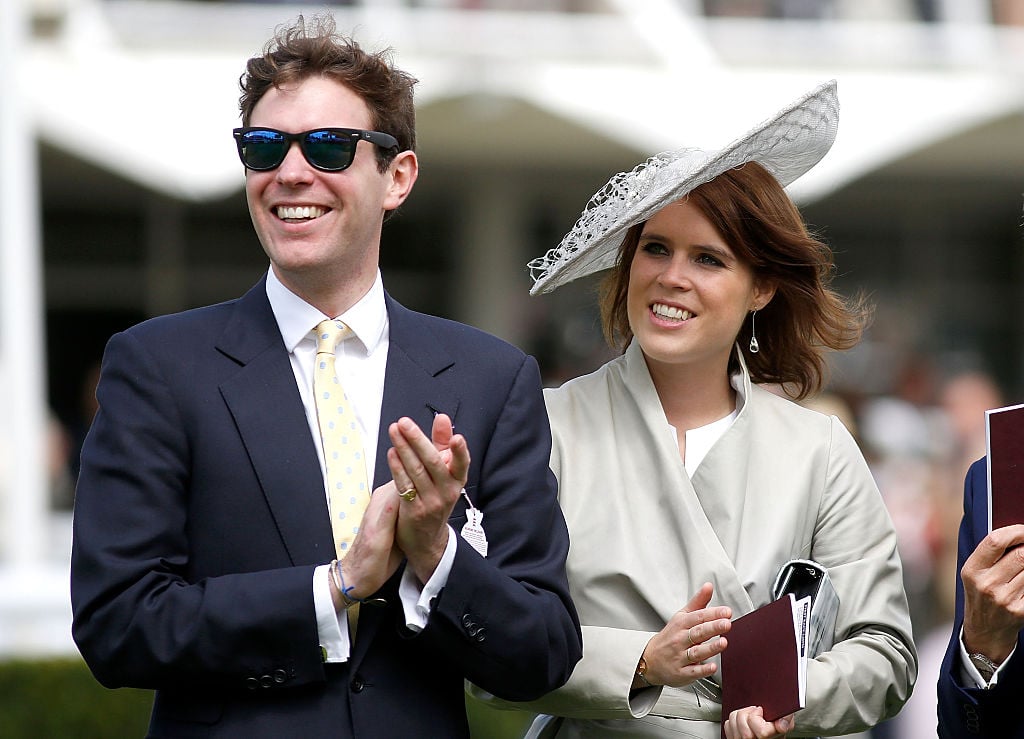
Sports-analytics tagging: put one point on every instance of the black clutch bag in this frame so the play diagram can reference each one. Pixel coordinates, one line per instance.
(805, 578)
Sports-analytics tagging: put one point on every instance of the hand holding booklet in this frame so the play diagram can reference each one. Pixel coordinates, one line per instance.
(1004, 431)
(765, 663)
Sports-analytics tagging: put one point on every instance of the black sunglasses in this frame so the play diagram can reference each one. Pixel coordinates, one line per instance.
(327, 149)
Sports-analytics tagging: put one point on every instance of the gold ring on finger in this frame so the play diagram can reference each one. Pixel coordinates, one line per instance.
(409, 495)
(689, 658)
(689, 638)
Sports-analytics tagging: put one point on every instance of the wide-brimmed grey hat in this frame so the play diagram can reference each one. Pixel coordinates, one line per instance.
(787, 145)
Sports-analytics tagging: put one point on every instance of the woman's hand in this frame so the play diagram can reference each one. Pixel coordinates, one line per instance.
(675, 655)
(749, 723)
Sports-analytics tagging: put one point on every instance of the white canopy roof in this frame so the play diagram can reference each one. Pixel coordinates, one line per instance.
(162, 116)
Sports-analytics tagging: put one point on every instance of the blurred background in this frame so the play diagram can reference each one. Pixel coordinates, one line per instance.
(121, 197)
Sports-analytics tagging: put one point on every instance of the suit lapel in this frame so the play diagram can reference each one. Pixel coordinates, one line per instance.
(267, 409)
(414, 383)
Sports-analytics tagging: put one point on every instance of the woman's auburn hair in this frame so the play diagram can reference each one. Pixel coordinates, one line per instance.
(763, 227)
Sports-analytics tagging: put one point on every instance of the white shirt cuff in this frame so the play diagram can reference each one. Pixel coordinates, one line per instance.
(969, 675)
(331, 627)
(416, 602)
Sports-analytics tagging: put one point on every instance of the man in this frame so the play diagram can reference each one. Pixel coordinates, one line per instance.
(982, 676)
(206, 564)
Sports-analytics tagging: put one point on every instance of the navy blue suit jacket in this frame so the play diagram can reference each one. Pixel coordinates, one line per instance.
(970, 712)
(200, 515)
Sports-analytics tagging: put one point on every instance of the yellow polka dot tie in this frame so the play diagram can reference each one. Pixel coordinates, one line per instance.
(348, 492)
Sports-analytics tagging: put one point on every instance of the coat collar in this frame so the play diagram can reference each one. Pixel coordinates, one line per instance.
(638, 378)
(252, 328)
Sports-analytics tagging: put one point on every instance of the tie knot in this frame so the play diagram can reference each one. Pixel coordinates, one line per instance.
(328, 334)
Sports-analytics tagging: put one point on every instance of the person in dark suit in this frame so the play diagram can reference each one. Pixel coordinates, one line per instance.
(982, 676)
(205, 565)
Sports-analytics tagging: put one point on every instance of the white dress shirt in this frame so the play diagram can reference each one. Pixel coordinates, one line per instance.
(360, 365)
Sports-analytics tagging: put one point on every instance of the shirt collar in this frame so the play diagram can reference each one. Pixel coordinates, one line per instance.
(296, 319)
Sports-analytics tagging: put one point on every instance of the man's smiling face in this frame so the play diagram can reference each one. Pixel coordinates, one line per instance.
(319, 228)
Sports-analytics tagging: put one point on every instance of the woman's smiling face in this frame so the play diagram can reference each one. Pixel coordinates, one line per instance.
(688, 292)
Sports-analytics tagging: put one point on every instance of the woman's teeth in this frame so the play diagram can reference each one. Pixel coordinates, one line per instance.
(671, 313)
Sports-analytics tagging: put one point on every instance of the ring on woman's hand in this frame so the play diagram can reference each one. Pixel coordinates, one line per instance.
(689, 638)
(409, 495)
(689, 659)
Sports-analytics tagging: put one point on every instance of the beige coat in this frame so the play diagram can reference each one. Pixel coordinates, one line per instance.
(783, 482)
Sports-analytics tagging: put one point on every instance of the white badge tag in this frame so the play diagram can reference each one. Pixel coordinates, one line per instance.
(473, 531)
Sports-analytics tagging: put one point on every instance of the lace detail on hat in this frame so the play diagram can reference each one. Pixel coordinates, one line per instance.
(787, 145)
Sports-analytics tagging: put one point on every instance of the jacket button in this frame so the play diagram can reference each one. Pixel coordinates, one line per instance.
(973, 722)
(280, 676)
(467, 621)
(357, 684)
(266, 681)
(252, 683)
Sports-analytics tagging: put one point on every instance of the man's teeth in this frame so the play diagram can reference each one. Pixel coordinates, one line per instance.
(672, 313)
(298, 213)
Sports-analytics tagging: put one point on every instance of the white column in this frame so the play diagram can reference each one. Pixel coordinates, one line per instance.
(166, 269)
(23, 487)
(490, 257)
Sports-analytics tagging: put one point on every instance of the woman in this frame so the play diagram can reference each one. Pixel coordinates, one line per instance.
(686, 485)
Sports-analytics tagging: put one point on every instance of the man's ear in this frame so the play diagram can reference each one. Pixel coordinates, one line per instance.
(403, 170)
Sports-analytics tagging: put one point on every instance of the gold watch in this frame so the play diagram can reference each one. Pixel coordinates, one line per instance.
(641, 672)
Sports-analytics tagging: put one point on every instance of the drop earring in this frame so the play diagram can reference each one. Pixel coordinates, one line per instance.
(754, 346)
